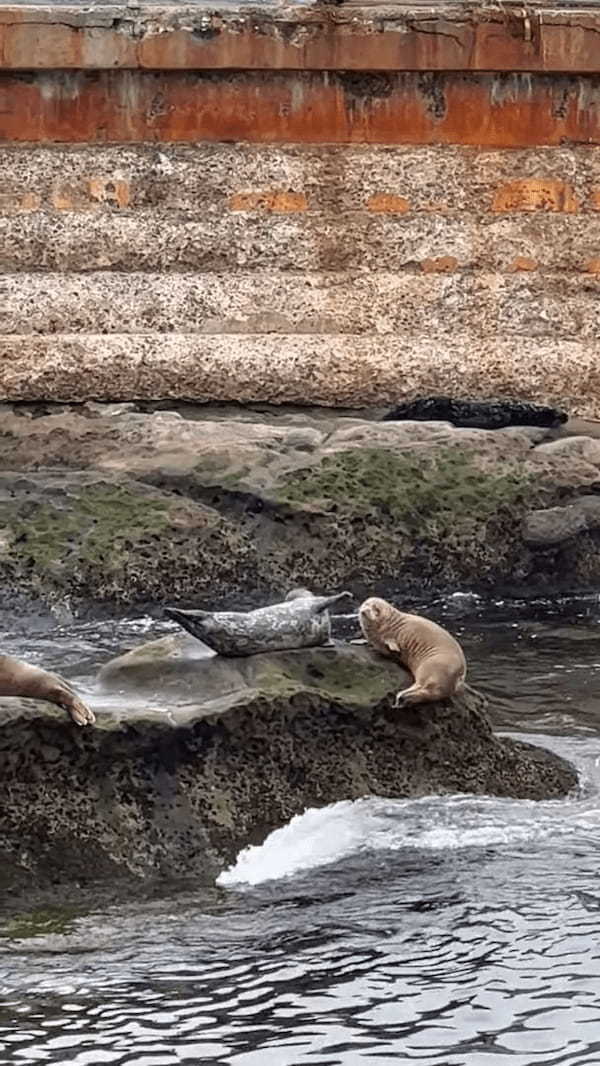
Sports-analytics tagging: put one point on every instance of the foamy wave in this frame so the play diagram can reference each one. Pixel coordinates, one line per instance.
(323, 837)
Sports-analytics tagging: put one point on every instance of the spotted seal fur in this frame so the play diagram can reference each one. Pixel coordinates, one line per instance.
(20, 679)
(301, 621)
(434, 658)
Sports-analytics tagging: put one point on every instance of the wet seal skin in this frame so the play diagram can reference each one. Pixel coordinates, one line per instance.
(477, 414)
(301, 621)
(21, 679)
(434, 658)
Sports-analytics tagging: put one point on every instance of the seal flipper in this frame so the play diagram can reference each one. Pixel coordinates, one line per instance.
(321, 603)
(192, 621)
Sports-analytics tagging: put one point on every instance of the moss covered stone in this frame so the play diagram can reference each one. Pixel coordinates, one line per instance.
(118, 540)
(424, 494)
(149, 507)
(100, 525)
(429, 516)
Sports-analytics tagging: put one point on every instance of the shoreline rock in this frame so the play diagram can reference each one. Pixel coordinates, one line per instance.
(195, 756)
(106, 504)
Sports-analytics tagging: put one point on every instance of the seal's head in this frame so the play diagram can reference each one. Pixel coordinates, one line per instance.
(373, 610)
(299, 594)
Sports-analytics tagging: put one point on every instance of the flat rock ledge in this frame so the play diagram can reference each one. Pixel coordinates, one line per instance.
(195, 756)
(106, 505)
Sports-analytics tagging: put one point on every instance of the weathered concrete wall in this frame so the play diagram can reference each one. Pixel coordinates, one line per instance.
(318, 107)
(456, 249)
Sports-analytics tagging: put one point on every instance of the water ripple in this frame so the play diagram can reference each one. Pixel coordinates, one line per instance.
(454, 931)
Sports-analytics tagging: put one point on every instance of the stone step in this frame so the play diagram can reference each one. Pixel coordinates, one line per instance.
(204, 178)
(346, 370)
(151, 240)
(525, 304)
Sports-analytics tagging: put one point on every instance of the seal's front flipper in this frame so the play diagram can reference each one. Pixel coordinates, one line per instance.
(79, 711)
(323, 602)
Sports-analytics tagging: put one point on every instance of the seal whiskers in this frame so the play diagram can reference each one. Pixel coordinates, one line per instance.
(434, 658)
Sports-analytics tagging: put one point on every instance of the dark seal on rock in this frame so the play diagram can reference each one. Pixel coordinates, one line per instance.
(477, 414)
(302, 621)
(21, 679)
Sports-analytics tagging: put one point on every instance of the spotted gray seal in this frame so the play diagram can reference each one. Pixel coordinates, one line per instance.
(21, 679)
(434, 658)
(301, 621)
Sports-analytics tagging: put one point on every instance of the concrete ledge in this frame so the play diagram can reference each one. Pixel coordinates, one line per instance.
(202, 180)
(154, 240)
(439, 37)
(312, 107)
(524, 304)
(346, 371)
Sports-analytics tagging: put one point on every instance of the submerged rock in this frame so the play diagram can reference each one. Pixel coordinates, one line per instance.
(195, 756)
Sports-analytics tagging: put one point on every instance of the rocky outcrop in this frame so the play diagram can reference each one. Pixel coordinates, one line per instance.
(194, 756)
(554, 525)
(226, 507)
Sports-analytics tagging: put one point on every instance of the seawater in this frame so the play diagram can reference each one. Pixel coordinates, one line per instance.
(444, 931)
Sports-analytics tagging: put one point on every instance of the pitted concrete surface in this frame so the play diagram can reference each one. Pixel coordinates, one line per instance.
(222, 273)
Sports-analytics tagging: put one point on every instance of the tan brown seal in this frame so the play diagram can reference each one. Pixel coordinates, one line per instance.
(433, 656)
(21, 679)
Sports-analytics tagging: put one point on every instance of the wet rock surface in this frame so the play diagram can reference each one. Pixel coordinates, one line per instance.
(194, 756)
(230, 507)
(554, 525)
(305, 496)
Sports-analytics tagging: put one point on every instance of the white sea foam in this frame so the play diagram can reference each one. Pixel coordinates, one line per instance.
(321, 837)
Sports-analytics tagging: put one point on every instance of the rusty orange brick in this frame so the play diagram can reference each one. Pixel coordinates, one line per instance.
(63, 198)
(30, 201)
(523, 262)
(110, 190)
(388, 203)
(245, 201)
(278, 201)
(287, 201)
(535, 194)
(435, 207)
(444, 264)
(17, 201)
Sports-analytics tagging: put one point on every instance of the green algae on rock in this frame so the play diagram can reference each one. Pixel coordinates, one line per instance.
(385, 510)
(421, 493)
(232, 509)
(104, 538)
(195, 756)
